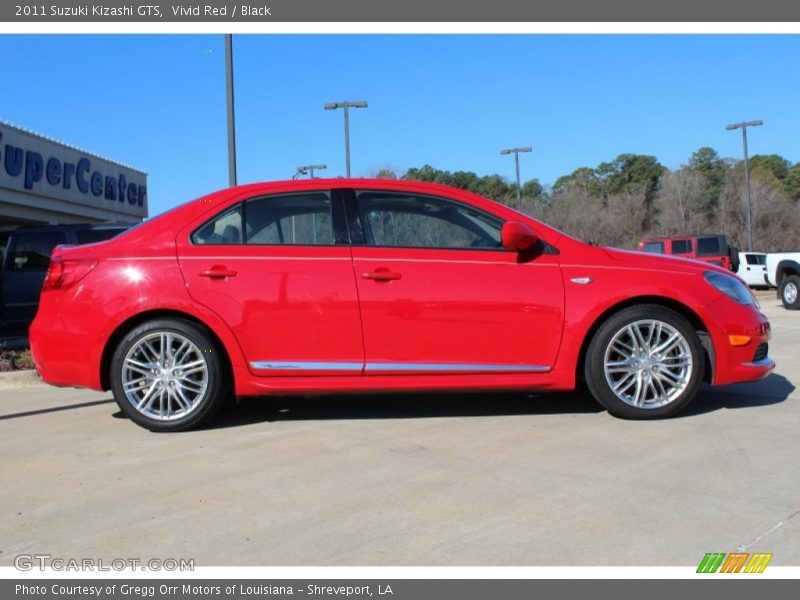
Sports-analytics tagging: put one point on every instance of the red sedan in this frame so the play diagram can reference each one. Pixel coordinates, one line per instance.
(330, 286)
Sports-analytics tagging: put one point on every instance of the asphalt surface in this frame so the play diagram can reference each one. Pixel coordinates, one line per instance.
(409, 480)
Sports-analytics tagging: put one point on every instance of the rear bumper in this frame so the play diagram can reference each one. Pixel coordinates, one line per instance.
(65, 353)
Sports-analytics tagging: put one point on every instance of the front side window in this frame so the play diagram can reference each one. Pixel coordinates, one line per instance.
(654, 247)
(32, 250)
(404, 220)
(288, 219)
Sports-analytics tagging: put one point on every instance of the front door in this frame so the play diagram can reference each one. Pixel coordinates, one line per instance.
(273, 269)
(439, 294)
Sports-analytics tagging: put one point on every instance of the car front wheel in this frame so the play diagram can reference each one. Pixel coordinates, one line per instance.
(167, 375)
(644, 362)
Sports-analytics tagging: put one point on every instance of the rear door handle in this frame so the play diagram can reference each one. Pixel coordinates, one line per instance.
(218, 272)
(381, 274)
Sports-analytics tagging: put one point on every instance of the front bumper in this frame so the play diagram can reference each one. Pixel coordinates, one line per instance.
(745, 362)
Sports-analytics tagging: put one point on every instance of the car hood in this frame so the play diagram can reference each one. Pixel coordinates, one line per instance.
(666, 262)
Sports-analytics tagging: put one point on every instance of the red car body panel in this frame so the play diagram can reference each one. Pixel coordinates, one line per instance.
(422, 324)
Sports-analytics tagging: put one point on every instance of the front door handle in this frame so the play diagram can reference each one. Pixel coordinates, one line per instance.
(381, 274)
(218, 272)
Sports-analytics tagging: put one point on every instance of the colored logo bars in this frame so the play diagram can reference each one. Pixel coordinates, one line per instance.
(735, 562)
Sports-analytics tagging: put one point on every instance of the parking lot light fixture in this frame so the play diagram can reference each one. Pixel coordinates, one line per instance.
(515, 152)
(743, 126)
(308, 170)
(346, 105)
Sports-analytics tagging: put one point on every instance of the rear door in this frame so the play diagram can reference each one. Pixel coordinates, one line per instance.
(278, 270)
(27, 260)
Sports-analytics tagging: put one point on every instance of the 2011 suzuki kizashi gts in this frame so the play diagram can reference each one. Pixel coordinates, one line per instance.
(331, 286)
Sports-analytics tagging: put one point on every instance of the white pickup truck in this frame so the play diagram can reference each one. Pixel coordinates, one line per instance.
(783, 272)
(752, 267)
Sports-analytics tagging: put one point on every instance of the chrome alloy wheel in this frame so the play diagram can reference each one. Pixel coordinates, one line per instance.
(164, 376)
(648, 364)
(790, 293)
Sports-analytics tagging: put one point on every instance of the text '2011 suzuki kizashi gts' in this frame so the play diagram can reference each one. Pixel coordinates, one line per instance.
(344, 285)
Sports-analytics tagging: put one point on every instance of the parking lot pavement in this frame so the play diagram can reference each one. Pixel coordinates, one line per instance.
(410, 480)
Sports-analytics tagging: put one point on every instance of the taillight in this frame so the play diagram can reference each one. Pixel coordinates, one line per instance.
(65, 273)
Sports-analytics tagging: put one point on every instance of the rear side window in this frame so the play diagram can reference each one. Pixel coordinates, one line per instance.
(654, 247)
(288, 219)
(708, 246)
(90, 236)
(681, 246)
(32, 251)
(296, 219)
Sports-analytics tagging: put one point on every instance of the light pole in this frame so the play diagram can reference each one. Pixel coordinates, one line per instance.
(743, 126)
(308, 170)
(231, 119)
(515, 152)
(346, 105)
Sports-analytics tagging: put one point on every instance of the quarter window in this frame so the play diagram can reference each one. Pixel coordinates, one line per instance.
(410, 221)
(224, 229)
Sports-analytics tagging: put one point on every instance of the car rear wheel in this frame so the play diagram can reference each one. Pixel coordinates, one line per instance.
(790, 292)
(644, 362)
(167, 375)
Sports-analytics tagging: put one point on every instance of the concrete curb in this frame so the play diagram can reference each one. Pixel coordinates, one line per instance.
(17, 379)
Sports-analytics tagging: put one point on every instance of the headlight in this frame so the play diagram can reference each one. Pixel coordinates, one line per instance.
(731, 287)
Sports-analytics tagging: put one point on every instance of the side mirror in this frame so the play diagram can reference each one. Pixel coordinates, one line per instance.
(517, 236)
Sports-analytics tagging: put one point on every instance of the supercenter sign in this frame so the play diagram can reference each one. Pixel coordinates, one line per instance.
(38, 166)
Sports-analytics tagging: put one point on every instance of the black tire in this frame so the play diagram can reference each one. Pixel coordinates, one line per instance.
(790, 286)
(733, 254)
(600, 384)
(214, 388)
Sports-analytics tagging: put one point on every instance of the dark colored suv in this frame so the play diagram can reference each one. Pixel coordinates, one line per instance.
(24, 262)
